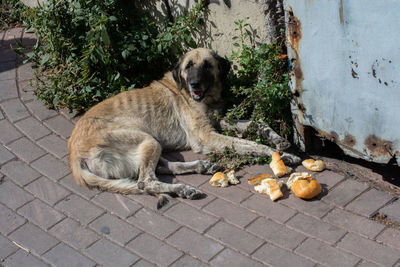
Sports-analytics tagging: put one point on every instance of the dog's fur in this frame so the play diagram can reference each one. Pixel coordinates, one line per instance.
(117, 144)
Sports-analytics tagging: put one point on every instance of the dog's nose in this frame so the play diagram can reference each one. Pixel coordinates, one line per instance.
(195, 84)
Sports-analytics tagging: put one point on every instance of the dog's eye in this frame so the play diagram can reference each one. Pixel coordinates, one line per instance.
(207, 65)
(189, 65)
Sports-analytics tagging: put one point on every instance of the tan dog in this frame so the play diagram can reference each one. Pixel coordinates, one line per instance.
(117, 144)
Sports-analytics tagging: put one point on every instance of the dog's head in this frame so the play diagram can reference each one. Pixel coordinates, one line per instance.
(201, 72)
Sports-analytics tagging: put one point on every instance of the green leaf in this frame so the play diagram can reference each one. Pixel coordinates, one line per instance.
(45, 58)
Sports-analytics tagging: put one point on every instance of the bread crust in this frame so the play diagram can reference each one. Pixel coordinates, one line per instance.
(219, 179)
(304, 186)
(314, 165)
(277, 165)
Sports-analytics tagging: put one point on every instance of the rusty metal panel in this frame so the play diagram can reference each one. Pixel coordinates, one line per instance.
(345, 73)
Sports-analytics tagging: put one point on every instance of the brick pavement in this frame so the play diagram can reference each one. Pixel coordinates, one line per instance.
(46, 219)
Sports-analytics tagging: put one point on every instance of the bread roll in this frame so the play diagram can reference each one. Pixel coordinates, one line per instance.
(257, 180)
(219, 179)
(303, 185)
(270, 187)
(231, 177)
(277, 165)
(314, 165)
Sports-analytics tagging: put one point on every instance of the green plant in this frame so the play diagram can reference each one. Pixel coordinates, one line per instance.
(261, 86)
(11, 13)
(229, 159)
(89, 50)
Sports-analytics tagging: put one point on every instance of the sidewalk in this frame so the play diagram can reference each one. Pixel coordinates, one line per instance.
(46, 219)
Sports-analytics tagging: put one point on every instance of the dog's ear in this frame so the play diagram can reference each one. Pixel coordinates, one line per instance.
(176, 74)
(224, 66)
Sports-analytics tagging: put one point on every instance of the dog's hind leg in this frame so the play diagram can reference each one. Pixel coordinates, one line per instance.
(197, 166)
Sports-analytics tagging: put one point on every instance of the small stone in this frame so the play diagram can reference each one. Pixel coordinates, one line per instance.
(105, 230)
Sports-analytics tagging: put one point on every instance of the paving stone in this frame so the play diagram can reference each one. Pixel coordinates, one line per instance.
(32, 128)
(117, 204)
(108, 254)
(145, 245)
(51, 167)
(40, 111)
(198, 203)
(84, 192)
(368, 203)
(64, 256)
(195, 244)
(7, 55)
(21, 258)
(150, 202)
(234, 237)
(8, 132)
(370, 250)
(114, 228)
(7, 248)
(328, 178)
(13, 33)
(265, 207)
(354, 223)
(55, 145)
(193, 179)
(33, 238)
(392, 211)
(60, 125)
(1, 116)
(14, 109)
(188, 261)
(19, 172)
(8, 89)
(75, 235)
(368, 264)
(47, 190)
(26, 150)
(40, 214)
(25, 72)
(275, 233)
(313, 207)
(345, 192)
(7, 71)
(230, 193)
(151, 222)
(275, 256)
(390, 237)
(79, 208)
(230, 258)
(255, 170)
(144, 263)
(230, 212)
(9, 220)
(26, 91)
(13, 196)
(316, 228)
(5, 155)
(326, 254)
(191, 217)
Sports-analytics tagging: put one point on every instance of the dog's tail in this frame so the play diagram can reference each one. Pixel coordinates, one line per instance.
(85, 177)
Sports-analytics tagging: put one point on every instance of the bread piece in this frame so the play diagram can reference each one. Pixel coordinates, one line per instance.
(303, 185)
(219, 179)
(277, 165)
(231, 177)
(270, 187)
(314, 165)
(257, 180)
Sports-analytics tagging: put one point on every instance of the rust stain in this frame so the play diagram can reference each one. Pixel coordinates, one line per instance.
(294, 28)
(354, 74)
(341, 12)
(349, 140)
(332, 136)
(378, 147)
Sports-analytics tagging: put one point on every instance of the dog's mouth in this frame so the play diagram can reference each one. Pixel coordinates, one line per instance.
(197, 95)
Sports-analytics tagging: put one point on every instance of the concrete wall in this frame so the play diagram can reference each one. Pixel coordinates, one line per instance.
(220, 27)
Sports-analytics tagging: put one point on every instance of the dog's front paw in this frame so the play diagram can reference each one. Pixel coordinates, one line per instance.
(208, 167)
(190, 192)
(290, 159)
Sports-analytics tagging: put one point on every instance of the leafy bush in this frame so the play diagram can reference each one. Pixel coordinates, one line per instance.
(260, 88)
(89, 50)
(11, 13)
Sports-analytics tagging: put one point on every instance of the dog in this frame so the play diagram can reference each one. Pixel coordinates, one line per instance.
(116, 146)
